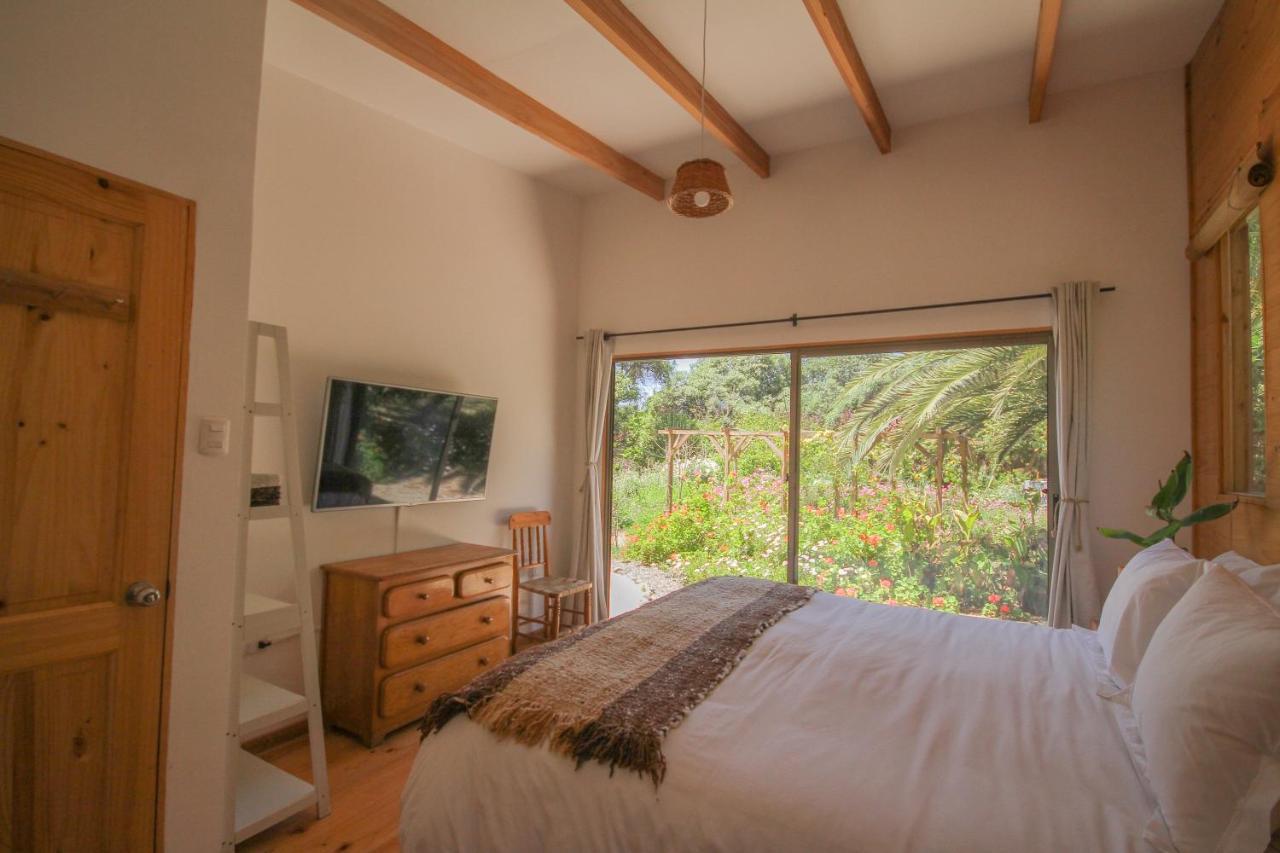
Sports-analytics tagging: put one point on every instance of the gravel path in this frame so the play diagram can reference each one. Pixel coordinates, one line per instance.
(655, 581)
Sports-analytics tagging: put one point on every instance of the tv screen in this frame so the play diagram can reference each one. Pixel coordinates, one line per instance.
(384, 445)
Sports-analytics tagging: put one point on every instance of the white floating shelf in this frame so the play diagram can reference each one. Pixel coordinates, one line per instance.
(266, 795)
(265, 707)
(257, 513)
(268, 620)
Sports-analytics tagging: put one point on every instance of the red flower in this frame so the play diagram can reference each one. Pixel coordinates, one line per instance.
(993, 598)
(873, 563)
(1004, 608)
(828, 559)
(893, 602)
(938, 601)
(886, 583)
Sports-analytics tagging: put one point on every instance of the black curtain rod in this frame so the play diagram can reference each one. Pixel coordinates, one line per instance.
(795, 319)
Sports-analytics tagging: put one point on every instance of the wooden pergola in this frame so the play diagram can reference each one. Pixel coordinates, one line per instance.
(941, 438)
(729, 443)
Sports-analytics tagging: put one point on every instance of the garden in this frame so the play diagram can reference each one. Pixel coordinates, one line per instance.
(921, 482)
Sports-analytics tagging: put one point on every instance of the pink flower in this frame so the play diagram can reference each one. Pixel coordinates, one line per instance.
(938, 601)
(1004, 608)
(828, 559)
(886, 583)
(893, 602)
(890, 528)
(873, 563)
(993, 598)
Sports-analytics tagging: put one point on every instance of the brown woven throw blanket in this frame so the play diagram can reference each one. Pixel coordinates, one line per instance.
(611, 692)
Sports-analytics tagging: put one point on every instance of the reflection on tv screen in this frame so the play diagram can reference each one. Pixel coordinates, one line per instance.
(386, 445)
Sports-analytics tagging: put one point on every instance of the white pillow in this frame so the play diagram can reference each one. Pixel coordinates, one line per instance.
(1265, 580)
(1207, 703)
(1146, 590)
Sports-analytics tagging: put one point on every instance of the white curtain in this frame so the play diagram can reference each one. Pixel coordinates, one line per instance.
(1073, 588)
(589, 556)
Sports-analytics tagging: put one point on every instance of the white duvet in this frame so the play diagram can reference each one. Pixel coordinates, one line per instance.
(848, 726)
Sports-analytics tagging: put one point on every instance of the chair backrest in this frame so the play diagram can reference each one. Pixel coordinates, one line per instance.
(531, 540)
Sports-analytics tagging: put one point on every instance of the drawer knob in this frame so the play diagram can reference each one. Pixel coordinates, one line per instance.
(421, 639)
(484, 661)
(488, 580)
(486, 619)
(419, 687)
(424, 595)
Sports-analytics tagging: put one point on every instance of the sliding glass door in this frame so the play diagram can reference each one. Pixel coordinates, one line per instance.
(699, 453)
(921, 475)
(924, 476)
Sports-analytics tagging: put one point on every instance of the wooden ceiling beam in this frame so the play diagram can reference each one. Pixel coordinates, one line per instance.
(1046, 40)
(624, 30)
(831, 25)
(396, 35)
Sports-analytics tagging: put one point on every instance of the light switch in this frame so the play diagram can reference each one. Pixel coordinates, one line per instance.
(215, 436)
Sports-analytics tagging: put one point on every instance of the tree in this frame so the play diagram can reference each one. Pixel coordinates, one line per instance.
(994, 394)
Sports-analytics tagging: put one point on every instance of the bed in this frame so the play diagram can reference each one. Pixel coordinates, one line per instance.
(847, 726)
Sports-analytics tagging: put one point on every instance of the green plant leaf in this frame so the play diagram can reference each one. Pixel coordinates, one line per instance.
(1167, 532)
(1173, 490)
(1113, 533)
(1209, 513)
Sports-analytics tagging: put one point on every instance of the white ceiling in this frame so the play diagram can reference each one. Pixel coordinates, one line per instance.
(765, 63)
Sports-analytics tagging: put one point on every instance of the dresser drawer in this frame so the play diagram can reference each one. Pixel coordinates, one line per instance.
(484, 580)
(414, 688)
(433, 636)
(410, 599)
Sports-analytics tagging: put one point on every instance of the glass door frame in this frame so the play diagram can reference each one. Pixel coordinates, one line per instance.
(797, 353)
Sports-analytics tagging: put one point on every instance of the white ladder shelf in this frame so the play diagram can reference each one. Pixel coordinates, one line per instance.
(263, 795)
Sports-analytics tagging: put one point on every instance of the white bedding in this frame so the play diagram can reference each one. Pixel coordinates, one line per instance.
(848, 726)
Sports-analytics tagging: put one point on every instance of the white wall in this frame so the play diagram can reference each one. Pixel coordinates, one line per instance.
(969, 207)
(394, 256)
(165, 92)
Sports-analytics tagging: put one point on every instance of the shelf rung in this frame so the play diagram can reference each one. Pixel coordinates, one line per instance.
(257, 513)
(265, 707)
(269, 619)
(266, 795)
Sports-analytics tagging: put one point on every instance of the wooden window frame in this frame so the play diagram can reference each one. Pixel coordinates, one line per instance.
(1236, 363)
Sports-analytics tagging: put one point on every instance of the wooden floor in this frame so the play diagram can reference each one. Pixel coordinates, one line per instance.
(365, 786)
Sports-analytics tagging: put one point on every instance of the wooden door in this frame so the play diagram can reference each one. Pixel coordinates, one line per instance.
(95, 288)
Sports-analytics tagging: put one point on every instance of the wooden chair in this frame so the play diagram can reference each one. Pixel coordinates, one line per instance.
(531, 542)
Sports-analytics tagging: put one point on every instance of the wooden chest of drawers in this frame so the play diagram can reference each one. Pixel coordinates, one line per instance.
(401, 629)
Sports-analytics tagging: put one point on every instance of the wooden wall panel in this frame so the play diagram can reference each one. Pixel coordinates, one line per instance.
(1233, 86)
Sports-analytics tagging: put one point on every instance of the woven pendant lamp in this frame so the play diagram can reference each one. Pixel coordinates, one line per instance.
(701, 188)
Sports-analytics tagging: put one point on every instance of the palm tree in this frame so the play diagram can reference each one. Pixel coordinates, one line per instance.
(995, 394)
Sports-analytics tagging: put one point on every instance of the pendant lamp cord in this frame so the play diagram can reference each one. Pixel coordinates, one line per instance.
(702, 101)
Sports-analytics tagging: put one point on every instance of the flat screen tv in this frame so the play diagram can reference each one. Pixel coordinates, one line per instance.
(386, 445)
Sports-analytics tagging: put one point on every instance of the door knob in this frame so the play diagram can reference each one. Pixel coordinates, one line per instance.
(142, 594)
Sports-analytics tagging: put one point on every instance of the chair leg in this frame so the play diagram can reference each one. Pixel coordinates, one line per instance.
(515, 605)
(554, 619)
(590, 609)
